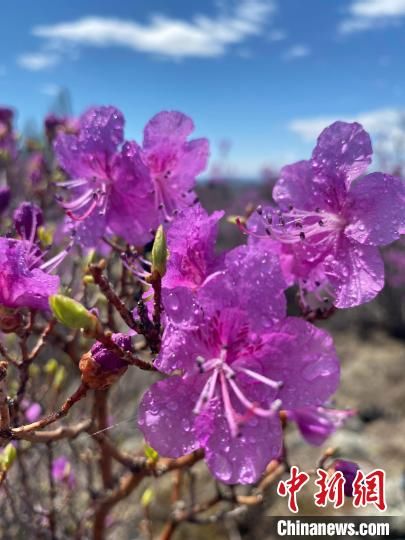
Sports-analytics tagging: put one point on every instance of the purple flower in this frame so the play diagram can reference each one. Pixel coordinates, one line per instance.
(24, 279)
(32, 411)
(111, 186)
(173, 161)
(349, 470)
(240, 362)
(330, 223)
(191, 242)
(62, 472)
(316, 424)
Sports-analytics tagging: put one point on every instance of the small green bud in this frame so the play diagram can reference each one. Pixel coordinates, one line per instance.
(147, 497)
(45, 236)
(7, 457)
(160, 253)
(151, 453)
(71, 313)
(51, 366)
(88, 280)
(59, 377)
(33, 370)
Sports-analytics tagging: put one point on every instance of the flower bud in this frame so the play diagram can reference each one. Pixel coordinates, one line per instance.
(147, 497)
(62, 472)
(72, 314)
(160, 253)
(5, 195)
(45, 236)
(150, 453)
(349, 470)
(32, 411)
(27, 218)
(7, 457)
(101, 367)
(51, 366)
(60, 376)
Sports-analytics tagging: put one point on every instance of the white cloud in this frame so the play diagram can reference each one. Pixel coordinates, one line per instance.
(277, 35)
(388, 123)
(38, 61)
(297, 51)
(201, 37)
(367, 14)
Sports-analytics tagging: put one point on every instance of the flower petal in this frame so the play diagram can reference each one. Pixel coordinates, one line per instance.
(316, 424)
(296, 188)
(343, 151)
(356, 273)
(304, 359)
(166, 418)
(167, 127)
(238, 460)
(131, 211)
(376, 209)
(86, 155)
(252, 281)
(191, 241)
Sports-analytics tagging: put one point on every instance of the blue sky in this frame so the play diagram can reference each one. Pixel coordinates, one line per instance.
(265, 74)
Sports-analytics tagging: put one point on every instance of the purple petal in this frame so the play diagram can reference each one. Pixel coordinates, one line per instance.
(167, 127)
(89, 232)
(343, 151)
(191, 241)
(20, 286)
(107, 359)
(316, 424)
(238, 460)
(192, 162)
(131, 211)
(166, 418)
(33, 412)
(253, 282)
(356, 273)
(376, 209)
(101, 129)
(183, 343)
(87, 154)
(304, 359)
(284, 252)
(296, 188)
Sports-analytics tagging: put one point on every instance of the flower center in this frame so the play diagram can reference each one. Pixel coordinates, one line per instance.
(85, 203)
(295, 225)
(222, 381)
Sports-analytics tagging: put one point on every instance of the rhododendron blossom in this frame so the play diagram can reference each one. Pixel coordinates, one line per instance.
(110, 184)
(173, 161)
(331, 221)
(24, 279)
(241, 361)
